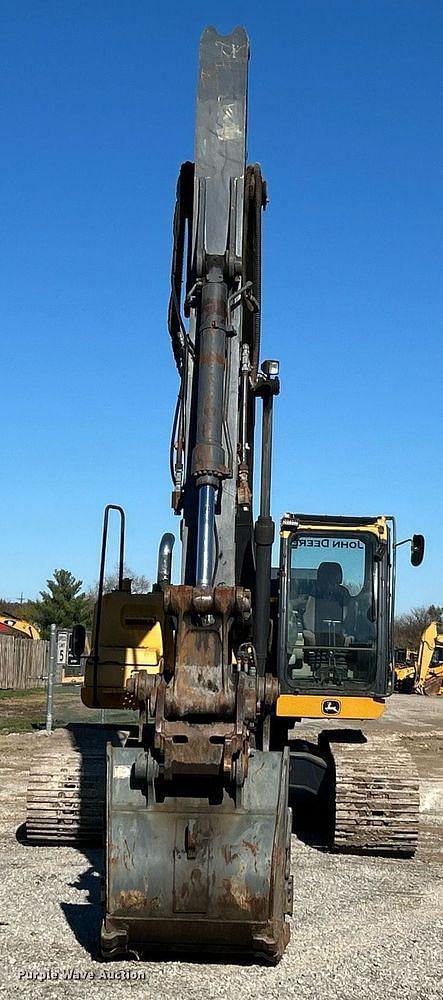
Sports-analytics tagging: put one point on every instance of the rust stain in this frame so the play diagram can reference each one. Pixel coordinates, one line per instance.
(229, 855)
(252, 846)
(127, 856)
(211, 357)
(133, 899)
(237, 896)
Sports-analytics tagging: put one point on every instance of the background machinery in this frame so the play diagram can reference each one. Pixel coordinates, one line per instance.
(223, 665)
(405, 669)
(429, 668)
(21, 629)
(73, 648)
(422, 671)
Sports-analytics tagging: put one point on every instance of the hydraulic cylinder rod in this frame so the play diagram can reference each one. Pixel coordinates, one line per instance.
(205, 542)
(208, 460)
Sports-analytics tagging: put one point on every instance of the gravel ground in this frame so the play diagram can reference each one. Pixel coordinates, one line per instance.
(363, 927)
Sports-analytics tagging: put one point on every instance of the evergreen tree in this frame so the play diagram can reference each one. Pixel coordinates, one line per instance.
(63, 603)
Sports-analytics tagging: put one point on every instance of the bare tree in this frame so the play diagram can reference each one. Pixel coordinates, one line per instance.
(409, 626)
(140, 584)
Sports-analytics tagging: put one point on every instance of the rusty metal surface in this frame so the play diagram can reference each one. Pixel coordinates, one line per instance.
(197, 820)
(187, 872)
(203, 706)
(433, 684)
(202, 682)
(197, 749)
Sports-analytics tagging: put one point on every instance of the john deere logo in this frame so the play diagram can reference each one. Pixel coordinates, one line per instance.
(330, 707)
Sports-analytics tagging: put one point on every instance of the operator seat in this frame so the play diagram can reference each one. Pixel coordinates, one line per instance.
(323, 620)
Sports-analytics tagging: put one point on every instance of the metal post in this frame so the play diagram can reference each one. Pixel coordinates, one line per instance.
(51, 678)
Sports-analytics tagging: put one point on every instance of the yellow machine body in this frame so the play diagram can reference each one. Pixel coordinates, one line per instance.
(405, 668)
(404, 672)
(429, 672)
(314, 706)
(21, 629)
(131, 638)
(378, 527)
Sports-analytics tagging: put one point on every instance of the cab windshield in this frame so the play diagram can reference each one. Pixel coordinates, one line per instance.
(331, 636)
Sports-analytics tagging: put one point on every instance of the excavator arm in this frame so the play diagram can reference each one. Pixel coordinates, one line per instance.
(430, 674)
(203, 811)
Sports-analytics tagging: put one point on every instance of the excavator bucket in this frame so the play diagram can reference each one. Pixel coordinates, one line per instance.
(188, 873)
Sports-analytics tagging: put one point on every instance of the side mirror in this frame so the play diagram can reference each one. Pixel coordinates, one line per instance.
(417, 549)
(78, 641)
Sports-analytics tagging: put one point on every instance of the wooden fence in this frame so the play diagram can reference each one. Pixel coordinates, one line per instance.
(24, 663)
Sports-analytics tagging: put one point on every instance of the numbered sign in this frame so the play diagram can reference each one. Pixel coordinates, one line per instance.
(62, 647)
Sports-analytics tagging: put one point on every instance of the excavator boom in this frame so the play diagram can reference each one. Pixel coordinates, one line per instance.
(429, 669)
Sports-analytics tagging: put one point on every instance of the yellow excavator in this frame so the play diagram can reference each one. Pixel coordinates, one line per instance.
(224, 665)
(405, 663)
(429, 668)
(421, 671)
(11, 625)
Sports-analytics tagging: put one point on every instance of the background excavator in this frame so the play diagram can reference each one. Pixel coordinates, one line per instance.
(422, 671)
(223, 665)
(21, 629)
(429, 668)
(405, 669)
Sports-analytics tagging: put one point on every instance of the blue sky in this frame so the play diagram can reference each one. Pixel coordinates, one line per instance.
(97, 113)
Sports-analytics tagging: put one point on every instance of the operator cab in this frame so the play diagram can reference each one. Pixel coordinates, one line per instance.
(336, 612)
(437, 656)
(336, 595)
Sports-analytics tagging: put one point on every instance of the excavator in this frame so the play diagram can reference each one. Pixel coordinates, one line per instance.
(222, 666)
(421, 672)
(18, 627)
(429, 668)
